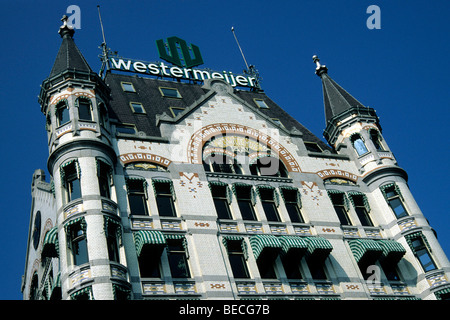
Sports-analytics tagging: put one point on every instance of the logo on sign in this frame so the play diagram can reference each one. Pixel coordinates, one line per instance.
(177, 52)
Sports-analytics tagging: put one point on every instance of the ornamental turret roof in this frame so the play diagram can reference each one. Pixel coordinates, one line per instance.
(69, 56)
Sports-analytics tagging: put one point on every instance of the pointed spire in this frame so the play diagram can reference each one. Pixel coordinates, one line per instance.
(69, 56)
(336, 99)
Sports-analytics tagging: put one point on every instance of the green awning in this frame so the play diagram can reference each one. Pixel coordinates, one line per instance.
(262, 242)
(365, 249)
(225, 240)
(318, 246)
(393, 251)
(50, 248)
(150, 237)
(294, 243)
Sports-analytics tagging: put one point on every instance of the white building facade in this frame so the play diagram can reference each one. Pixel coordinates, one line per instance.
(168, 189)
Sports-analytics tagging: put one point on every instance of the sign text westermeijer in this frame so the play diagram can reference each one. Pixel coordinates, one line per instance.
(162, 70)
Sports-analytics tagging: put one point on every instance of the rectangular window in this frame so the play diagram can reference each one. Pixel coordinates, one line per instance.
(244, 199)
(266, 264)
(84, 110)
(62, 114)
(312, 147)
(164, 199)
(261, 103)
(278, 122)
(219, 194)
(137, 107)
(268, 203)
(177, 256)
(127, 87)
(112, 242)
(78, 244)
(104, 179)
(72, 181)
(316, 268)
(176, 111)
(237, 259)
(361, 211)
(291, 264)
(395, 202)
(170, 92)
(291, 202)
(339, 206)
(422, 254)
(127, 129)
(150, 261)
(137, 197)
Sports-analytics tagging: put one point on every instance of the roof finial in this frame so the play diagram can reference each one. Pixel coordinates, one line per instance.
(320, 68)
(66, 29)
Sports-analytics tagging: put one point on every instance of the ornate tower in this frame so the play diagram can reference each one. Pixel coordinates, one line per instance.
(354, 130)
(81, 161)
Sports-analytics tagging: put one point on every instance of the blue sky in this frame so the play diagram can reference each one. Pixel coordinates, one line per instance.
(401, 70)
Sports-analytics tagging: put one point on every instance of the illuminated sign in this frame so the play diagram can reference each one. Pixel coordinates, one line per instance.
(183, 63)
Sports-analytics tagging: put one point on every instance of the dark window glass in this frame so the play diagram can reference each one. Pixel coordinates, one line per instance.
(73, 185)
(219, 194)
(150, 261)
(170, 92)
(179, 267)
(237, 259)
(291, 264)
(361, 211)
(243, 195)
(268, 166)
(338, 202)
(111, 242)
(398, 208)
(136, 197)
(266, 265)
(316, 267)
(104, 180)
(423, 255)
(78, 244)
(164, 199)
(84, 110)
(268, 204)
(375, 137)
(291, 203)
(62, 114)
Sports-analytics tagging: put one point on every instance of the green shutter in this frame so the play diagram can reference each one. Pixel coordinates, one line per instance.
(51, 243)
(351, 194)
(318, 246)
(260, 242)
(172, 190)
(144, 184)
(150, 237)
(299, 197)
(236, 238)
(276, 197)
(294, 242)
(387, 186)
(344, 197)
(365, 248)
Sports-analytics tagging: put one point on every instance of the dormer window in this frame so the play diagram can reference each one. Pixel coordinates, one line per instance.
(358, 144)
(170, 92)
(261, 103)
(127, 87)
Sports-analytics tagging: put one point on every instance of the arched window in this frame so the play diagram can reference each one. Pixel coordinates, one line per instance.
(84, 109)
(219, 162)
(358, 144)
(268, 166)
(376, 139)
(62, 113)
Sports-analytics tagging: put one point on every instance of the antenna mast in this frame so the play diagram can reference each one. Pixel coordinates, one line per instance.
(251, 70)
(104, 56)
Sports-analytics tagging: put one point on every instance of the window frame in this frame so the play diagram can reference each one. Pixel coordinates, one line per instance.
(395, 198)
(132, 105)
(70, 177)
(135, 194)
(77, 236)
(234, 249)
(241, 201)
(164, 195)
(341, 209)
(223, 199)
(178, 95)
(260, 106)
(180, 252)
(60, 106)
(122, 83)
(355, 137)
(174, 114)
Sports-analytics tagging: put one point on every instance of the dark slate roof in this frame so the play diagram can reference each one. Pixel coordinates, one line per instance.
(69, 57)
(336, 99)
(148, 94)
